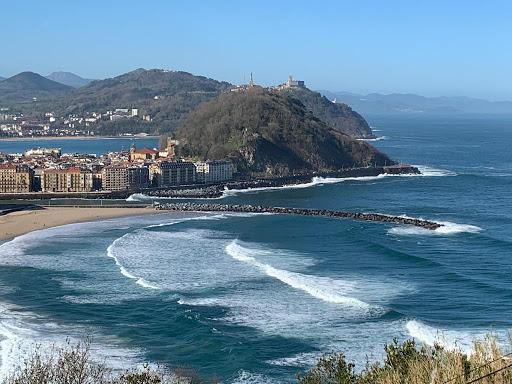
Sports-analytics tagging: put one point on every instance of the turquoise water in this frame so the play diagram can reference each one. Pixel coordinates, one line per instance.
(257, 298)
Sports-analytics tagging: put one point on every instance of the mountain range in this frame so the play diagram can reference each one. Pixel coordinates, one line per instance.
(166, 96)
(68, 78)
(407, 103)
(27, 86)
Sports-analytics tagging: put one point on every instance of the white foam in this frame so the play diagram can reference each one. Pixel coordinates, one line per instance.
(298, 360)
(447, 228)
(425, 171)
(111, 252)
(449, 339)
(21, 332)
(434, 172)
(379, 138)
(246, 377)
(323, 288)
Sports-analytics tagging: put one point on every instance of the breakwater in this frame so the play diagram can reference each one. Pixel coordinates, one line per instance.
(374, 217)
(211, 191)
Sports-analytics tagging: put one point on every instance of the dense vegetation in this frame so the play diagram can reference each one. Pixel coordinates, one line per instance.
(268, 133)
(403, 363)
(337, 115)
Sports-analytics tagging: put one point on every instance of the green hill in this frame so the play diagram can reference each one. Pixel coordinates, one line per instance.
(337, 115)
(28, 85)
(268, 133)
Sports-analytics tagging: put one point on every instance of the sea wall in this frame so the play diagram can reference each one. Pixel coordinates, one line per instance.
(375, 217)
(217, 190)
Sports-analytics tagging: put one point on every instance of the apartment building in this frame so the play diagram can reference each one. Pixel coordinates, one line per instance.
(15, 178)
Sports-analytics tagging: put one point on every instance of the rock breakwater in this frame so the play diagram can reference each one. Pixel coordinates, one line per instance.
(375, 217)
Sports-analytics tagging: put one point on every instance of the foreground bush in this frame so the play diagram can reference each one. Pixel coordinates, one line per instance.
(406, 363)
(73, 365)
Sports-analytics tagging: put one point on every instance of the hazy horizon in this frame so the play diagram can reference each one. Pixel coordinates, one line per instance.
(431, 49)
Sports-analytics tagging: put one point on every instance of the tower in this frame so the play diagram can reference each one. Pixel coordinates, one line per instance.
(251, 82)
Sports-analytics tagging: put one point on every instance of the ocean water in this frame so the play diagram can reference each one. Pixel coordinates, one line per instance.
(257, 298)
(95, 146)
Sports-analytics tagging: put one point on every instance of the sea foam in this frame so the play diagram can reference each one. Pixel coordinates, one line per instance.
(447, 228)
(450, 339)
(323, 288)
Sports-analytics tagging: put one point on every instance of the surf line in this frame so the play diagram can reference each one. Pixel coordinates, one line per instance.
(375, 217)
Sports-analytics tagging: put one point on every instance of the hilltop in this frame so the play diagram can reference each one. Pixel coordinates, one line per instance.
(337, 115)
(28, 85)
(269, 133)
(164, 98)
(69, 79)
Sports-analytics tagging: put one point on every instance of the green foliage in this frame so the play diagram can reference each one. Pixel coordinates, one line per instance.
(330, 369)
(270, 134)
(339, 116)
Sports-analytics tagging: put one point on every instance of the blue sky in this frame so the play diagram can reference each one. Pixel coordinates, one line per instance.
(449, 47)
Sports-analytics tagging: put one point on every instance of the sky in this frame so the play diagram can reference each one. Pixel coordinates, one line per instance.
(433, 48)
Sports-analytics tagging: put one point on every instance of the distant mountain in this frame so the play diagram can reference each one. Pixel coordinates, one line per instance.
(2, 78)
(68, 78)
(28, 85)
(339, 116)
(268, 133)
(411, 103)
(167, 96)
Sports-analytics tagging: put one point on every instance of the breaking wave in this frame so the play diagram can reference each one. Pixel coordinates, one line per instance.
(323, 288)
(138, 280)
(450, 339)
(447, 228)
(379, 138)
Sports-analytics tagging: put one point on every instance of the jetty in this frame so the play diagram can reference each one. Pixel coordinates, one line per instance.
(237, 208)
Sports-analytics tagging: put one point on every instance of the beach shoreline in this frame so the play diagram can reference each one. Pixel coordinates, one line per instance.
(22, 222)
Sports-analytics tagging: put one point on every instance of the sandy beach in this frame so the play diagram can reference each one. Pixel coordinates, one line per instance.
(18, 223)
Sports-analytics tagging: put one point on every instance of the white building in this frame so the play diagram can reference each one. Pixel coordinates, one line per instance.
(214, 171)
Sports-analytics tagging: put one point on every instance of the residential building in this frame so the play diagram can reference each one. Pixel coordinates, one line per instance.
(16, 178)
(171, 173)
(214, 171)
(121, 177)
(72, 179)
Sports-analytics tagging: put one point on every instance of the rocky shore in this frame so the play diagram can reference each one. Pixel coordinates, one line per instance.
(217, 190)
(375, 217)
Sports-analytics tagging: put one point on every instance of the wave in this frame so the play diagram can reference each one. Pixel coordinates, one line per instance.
(323, 288)
(23, 332)
(447, 228)
(449, 339)
(315, 181)
(379, 138)
(246, 377)
(138, 280)
(304, 359)
(433, 172)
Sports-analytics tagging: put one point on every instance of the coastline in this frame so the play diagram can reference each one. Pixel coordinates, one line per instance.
(19, 223)
(50, 138)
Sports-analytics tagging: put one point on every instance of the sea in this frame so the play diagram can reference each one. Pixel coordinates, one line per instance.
(259, 298)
